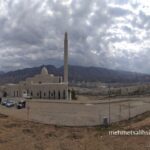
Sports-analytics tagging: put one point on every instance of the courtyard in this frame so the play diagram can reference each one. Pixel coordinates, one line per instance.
(79, 113)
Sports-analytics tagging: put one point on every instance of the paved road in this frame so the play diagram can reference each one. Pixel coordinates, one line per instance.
(77, 114)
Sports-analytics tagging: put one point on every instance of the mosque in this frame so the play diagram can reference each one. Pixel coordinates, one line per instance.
(43, 85)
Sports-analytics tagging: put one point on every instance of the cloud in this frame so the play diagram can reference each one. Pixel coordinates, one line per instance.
(104, 33)
(118, 11)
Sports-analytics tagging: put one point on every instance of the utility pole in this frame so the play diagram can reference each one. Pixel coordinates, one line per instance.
(109, 102)
(120, 112)
(129, 110)
(28, 111)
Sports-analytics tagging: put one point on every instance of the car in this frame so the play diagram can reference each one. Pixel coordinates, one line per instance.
(26, 96)
(10, 103)
(21, 104)
(4, 102)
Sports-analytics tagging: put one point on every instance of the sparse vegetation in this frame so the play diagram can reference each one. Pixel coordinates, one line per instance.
(35, 136)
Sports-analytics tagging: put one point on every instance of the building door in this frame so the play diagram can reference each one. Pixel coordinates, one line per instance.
(64, 94)
(58, 94)
(54, 94)
(40, 94)
(49, 94)
(5, 94)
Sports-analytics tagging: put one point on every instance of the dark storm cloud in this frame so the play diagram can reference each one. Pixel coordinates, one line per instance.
(32, 33)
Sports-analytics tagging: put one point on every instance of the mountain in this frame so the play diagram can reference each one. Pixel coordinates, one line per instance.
(78, 73)
(1, 72)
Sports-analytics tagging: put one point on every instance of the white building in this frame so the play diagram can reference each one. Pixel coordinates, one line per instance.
(44, 85)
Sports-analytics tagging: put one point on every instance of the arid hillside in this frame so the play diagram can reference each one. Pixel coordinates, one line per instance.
(17, 134)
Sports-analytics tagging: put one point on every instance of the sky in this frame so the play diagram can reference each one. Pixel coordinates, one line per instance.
(113, 34)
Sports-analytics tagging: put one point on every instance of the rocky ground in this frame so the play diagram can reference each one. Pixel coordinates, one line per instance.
(16, 134)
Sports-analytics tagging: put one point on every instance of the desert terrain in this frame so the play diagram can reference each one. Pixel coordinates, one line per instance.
(77, 125)
(17, 134)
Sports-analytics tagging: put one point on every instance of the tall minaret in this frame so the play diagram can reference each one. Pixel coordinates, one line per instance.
(66, 58)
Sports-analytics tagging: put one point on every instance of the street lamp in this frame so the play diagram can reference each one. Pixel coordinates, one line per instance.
(109, 102)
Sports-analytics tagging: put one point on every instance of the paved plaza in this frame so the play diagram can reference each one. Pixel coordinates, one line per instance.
(79, 114)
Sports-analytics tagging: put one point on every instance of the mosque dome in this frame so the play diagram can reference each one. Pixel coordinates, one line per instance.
(44, 71)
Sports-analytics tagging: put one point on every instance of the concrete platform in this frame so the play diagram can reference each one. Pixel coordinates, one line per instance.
(79, 114)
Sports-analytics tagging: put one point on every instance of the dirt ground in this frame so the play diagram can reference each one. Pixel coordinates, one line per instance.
(16, 134)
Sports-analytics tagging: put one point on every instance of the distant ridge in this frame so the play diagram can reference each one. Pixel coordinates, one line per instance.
(78, 73)
(1, 72)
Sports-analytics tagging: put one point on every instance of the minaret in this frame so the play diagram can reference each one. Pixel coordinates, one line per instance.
(66, 58)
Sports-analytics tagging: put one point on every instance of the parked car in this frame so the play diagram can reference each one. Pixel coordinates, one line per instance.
(26, 96)
(4, 102)
(21, 104)
(10, 103)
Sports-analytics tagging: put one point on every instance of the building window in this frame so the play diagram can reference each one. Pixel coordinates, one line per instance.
(27, 91)
(38, 94)
(44, 94)
(40, 82)
(31, 93)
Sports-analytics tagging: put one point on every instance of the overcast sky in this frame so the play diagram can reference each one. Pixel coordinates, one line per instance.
(105, 33)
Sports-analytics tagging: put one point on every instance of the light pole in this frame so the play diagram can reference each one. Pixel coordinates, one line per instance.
(120, 111)
(128, 105)
(28, 111)
(109, 102)
(129, 110)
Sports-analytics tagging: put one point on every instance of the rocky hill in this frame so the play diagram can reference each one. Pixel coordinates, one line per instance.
(78, 73)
